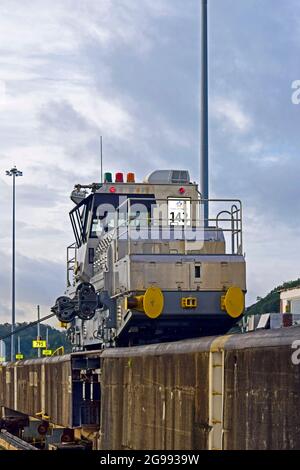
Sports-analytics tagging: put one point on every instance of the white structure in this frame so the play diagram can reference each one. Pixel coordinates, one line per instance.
(2, 352)
(290, 300)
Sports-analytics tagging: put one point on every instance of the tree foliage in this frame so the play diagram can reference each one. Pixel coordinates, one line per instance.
(271, 302)
(56, 339)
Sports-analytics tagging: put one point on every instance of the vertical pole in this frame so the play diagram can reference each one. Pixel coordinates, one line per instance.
(19, 345)
(101, 158)
(38, 329)
(47, 338)
(204, 112)
(13, 300)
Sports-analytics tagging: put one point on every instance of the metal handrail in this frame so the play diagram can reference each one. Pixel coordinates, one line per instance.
(59, 351)
(123, 226)
(71, 263)
(234, 218)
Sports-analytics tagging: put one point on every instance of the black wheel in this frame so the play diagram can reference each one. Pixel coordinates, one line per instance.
(64, 309)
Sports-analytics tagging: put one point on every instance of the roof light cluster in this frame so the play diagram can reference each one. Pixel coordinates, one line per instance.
(119, 177)
(130, 178)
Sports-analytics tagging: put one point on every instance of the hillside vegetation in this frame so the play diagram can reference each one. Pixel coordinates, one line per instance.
(271, 302)
(56, 339)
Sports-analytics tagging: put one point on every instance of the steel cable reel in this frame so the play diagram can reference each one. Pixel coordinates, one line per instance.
(64, 309)
(87, 301)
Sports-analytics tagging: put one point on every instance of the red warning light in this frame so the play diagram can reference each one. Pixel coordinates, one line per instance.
(181, 190)
(112, 189)
(119, 178)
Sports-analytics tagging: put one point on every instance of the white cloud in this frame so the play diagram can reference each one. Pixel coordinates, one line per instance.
(270, 160)
(270, 246)
(231, 115)
(58, 97)
(62, 27)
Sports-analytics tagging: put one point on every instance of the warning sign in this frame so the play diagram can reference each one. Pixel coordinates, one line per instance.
(39, 344)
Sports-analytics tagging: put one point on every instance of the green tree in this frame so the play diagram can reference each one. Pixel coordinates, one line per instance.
(271, 302)
(56, 339)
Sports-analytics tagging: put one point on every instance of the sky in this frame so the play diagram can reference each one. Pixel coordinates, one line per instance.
(129, 70)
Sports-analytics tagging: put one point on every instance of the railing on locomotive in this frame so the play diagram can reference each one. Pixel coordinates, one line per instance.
(71, 263)
(233, 216)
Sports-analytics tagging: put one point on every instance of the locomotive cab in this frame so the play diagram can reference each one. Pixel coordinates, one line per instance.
(146, 267)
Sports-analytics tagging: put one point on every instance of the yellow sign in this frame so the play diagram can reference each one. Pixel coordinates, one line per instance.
(39, 344)
(2, 359)
(47, 352)
(19, 357)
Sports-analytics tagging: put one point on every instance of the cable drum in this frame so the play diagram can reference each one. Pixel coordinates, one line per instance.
(87, 301)
(64, 309)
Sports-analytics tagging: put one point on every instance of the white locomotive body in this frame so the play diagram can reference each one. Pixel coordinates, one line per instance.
(146, 267)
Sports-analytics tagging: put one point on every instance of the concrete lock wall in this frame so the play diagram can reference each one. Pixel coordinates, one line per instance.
(234, 392)
(230, 392)
(262, 391)
(155, 398)
(38, 385)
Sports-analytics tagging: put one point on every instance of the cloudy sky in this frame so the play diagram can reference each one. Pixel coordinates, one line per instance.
(71, 70)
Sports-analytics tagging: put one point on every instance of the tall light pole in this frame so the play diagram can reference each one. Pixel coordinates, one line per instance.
(204, 178)
(38, 337)
(14, 173)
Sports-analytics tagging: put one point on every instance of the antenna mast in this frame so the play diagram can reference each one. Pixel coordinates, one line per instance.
(101, 158)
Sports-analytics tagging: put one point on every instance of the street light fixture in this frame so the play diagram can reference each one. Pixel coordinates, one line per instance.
(14, 173)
